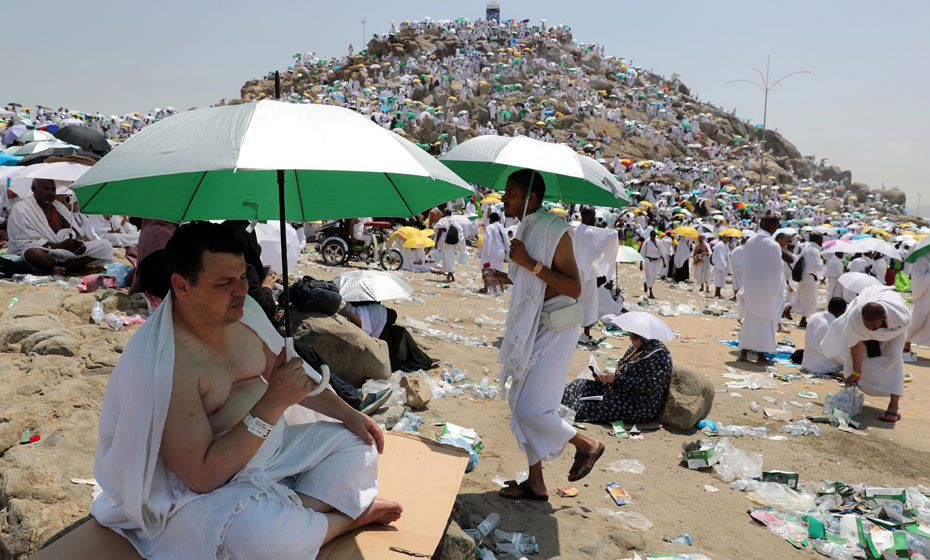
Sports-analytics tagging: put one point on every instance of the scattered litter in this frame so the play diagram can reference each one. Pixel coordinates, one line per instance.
(567, 492)
(711, 489)
(634, 466)
(620, 496)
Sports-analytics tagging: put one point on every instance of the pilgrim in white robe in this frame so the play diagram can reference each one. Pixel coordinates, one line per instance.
(606, 304)
(449, 250)
(595, 253)
(882, 375)
(833, 269)
(814, 359)
(762, 295)
(495, 247)
(720, 259)
(654, 260)
(535, 359)
(257, 513)
(736, 262)
(806, 292)
(682, 254)
(702, 267)
(28, 228)
(919, 332)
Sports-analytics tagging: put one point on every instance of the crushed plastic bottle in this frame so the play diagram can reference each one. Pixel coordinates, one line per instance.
(754, 406)
(744, 485)
(769, 399)
(113, 321)
(515, 550)
(459, 376)
(801, 428)
(834, 550)
(96, 312)
(516, 538)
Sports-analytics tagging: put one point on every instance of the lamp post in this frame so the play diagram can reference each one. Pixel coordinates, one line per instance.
(363, 36)
(765, 86)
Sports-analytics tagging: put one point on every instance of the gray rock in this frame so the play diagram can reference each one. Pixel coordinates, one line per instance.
(419, 392)
(13, 332)
(627, 540)
(455, 545)
(348, 350)
(690, 397)
(389, 416)
(59, 341)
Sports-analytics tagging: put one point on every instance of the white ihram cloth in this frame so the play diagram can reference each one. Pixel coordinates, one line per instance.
(720, 259)
(373, 315)
(28, 227)
(595, 253)
(448, 251)
(736, 262)
(832, 271)
(920, 290)
(762, 296)
(534, 358)
(146, 502)
(495, 247)
(814, 359)
(702, 268)
(882, 375)
(606, 304)
(806, 299)
(682, 252)
(655, 260)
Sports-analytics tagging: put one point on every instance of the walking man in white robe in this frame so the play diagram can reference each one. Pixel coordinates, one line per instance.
(41, 230)
(496, 244)
(832, 271)
(595, 253)
(762, 296)
(535, 353)
(720, 259)
(814, 359)
(655, 260)
(870, 339)
(736, 263)
(449, 250)
(806, 300)
(701, 263)
(195, 457)
(919, 332)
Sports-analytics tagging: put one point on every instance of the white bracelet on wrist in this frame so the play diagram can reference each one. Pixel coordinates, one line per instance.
(257, 426)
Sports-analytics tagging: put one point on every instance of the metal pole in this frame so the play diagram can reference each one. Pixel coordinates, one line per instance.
(285, 300)
(364, 34)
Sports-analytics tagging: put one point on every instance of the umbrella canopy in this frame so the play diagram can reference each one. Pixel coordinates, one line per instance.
(269, 239)
(628, 254)
(731, 232)
(686, 231)
(569, 176)
(58, 171)
(644, 324)
(371, 285)
(919, 250)
(841, 246)
(419, 242)
(36, 147)
(857, 281)
(220, 162)
(12, 134)
(87, 138)
(873, 244)
(36, 136)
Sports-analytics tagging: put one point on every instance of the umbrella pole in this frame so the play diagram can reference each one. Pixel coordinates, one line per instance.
(285, 300)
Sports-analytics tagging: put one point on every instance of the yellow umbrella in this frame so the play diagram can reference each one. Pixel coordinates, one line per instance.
(730, 232)
(686, 231)
(646, 203)
(560, 211)
(406, 232)
(679, 215)
(424, 232)
(492, 198)
(480, 241)
(419, 242)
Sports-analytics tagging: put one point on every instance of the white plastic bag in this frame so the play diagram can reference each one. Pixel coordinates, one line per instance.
(730, 462)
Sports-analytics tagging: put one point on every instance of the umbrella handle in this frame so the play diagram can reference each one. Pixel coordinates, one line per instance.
(322, 382)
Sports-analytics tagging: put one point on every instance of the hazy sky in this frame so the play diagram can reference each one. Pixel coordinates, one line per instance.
(864, 107)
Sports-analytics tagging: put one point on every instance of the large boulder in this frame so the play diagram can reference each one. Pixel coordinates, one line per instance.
(348, 350)
(690, 397)
(456, 545)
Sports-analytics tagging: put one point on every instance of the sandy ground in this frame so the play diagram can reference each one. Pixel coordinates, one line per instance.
(671, 496)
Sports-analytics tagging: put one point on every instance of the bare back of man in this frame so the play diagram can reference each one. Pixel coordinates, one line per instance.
(222, 371)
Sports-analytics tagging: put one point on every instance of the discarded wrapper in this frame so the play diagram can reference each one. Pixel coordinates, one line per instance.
(620, 430)
(618, 494)
(788, 478)
(567, 492)
(31, 436)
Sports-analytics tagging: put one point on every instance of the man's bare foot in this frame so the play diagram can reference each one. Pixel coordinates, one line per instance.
(380, 512)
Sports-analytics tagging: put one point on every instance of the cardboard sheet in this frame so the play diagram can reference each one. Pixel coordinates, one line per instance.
(422, 475)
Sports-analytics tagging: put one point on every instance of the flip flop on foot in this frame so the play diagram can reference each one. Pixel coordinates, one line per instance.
(521, 491)
(583, 464)
(890, 417)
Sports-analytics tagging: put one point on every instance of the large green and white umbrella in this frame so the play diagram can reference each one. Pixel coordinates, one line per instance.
(266, 160)
(221, 163)
(569, 176)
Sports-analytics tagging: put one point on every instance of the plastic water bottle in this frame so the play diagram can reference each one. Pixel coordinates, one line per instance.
(833, 550)
(515, 538)
(754, 406)
(683, 538)
(446, 376)
(113, 321)
(516, 550)
(744, 485)
(458, 376)
(96, 312)
(769, 399)
(491, 280)
(489, 523)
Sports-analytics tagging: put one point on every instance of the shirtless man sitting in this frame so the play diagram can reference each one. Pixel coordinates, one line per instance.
(222, 482)
(41, 230)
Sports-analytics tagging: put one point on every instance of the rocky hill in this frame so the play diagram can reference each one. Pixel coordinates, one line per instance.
(520, 73)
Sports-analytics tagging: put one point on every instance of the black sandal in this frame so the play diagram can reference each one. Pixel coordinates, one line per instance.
(579, 471)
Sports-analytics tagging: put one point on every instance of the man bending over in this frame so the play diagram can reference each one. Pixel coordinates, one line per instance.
(196, 455)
